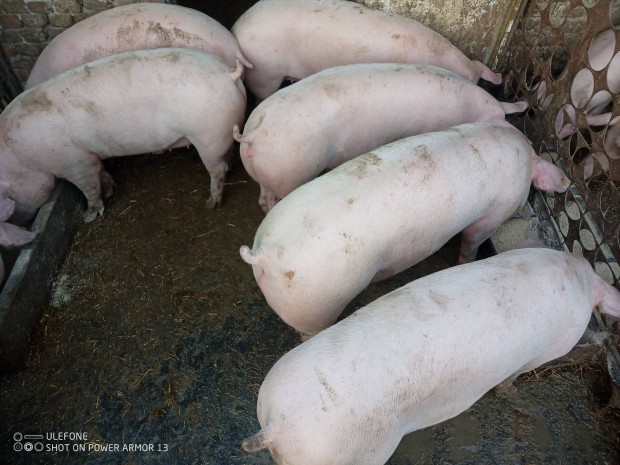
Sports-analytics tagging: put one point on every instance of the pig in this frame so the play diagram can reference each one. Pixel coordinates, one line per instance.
(423, 354)
(137, 26)
(131, 103)
(292, 39)
(339, 113)
(10, 234)
(386, 210)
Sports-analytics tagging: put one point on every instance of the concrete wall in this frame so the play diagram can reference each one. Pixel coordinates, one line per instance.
(27, 26)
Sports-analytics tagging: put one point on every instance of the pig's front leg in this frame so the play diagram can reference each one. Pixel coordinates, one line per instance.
(86, 174)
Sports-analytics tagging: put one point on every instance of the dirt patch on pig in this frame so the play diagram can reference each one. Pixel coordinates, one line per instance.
(125, 33)
(35, 101)
(163, 34)
(359, 166)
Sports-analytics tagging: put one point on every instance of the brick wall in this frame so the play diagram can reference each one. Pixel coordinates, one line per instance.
(27, 26)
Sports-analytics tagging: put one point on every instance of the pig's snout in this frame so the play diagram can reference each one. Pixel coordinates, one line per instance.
(516, 107)
(485, 73)
(606, 297)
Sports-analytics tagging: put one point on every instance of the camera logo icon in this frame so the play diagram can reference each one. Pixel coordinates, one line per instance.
(27, 446)
(18, 446)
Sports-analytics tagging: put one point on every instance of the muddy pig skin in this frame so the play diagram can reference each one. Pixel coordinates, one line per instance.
(423, 354)
(384, 211)
(131, 103)
(137, 26)
(330, 117)
(292, 39)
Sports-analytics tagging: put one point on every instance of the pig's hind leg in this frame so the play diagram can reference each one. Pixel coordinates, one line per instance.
(107, 184)
(217, 166)
(475, 234)
(267, 199)
(506, 388)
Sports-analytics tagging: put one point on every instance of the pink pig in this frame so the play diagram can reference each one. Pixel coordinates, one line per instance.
(126, 104)
(382, 212)
(340, 113)
(137, 26)
(423, 354)
(292, 39)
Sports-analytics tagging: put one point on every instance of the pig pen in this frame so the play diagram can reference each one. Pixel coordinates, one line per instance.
(155, 338)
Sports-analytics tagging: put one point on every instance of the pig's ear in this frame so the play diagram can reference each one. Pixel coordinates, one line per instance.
(548, 177)
(6, 207)
(14, 236)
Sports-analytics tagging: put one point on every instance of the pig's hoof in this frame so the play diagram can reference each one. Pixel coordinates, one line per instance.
(90, 215)
(267, 201)
(505, 388)
(211, 203)
(304, 336)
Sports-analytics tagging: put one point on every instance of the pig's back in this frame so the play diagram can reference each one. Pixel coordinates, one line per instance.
(133, 27)
(315, 35)
(135, 98)
(420, 191)
(345, 111)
